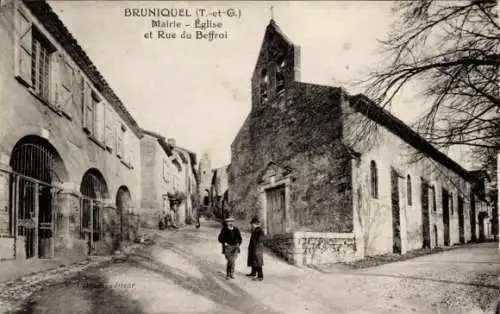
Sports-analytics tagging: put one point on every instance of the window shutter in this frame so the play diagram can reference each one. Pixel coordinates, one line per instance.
(78, 89)
(129, 155)
(128, 148)
(88, 112)
(67, 85)
(23, 29)
(55, 74)
(64, 84)
(109, 132)
(119, 141)
(99, 121)
(124, 145)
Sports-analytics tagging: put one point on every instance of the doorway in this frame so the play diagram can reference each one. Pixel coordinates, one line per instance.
(426, 243)
(275, 210)
(482, 219)
(446, 216)
(396, 221)
(461, 229)
(36, 166)
(472, 217)
(123, 204)
(94, 191)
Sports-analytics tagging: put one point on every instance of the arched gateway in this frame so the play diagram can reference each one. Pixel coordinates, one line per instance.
(37, 169)
(123, 206)
(94, 193)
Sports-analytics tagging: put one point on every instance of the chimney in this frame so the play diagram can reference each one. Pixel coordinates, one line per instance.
(171, 142)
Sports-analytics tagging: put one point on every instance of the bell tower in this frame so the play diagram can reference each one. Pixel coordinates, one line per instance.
(205, 173)
(277, 67)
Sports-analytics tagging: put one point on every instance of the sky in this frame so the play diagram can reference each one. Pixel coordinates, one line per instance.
(198, 92)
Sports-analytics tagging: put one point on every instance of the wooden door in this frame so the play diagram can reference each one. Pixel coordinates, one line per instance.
(275, 208)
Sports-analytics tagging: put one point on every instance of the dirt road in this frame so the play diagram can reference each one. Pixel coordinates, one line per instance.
(184, 273)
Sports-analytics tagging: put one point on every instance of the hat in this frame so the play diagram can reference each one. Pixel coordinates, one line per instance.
(255, 220)
(230, 218)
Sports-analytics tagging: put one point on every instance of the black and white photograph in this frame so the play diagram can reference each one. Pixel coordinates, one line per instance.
(249, 157)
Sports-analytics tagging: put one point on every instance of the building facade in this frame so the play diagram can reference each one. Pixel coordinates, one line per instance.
(168, 180)
(185, 184)
(213, 188)
(219, 191)
(323, 191)
(205, 175)
(69, 149)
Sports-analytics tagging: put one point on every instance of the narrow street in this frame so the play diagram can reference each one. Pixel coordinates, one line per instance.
(184, 273)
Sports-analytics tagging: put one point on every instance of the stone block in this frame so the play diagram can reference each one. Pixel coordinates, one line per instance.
(20, 247)
(7, 247)
(315, 248)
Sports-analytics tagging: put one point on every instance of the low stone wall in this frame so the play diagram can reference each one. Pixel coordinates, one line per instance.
(314, 248)
(281, 245)
(7, 248)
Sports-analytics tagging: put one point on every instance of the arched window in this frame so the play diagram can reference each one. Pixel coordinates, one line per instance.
(374, 179)
(280, 75)
(264, 85)
(408, 190)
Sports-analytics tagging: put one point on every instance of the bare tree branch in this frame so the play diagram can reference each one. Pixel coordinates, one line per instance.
(450, 50)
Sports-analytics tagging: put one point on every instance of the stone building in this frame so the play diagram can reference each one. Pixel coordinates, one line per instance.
(325, 193)
(185, 180)
(168, 180)
(219, 190)
(213, 188)
(69, 149)
(205, 175)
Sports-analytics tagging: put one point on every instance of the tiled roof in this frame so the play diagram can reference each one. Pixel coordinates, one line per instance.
(376, 113)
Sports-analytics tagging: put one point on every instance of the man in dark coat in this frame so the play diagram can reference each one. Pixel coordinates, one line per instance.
(256, 251)
(230, 238)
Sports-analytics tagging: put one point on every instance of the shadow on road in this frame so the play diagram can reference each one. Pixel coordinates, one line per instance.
(208, 286)
(83, 293)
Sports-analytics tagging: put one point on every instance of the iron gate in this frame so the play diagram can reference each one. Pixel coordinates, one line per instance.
(34, 208)
(94, 191)
(33, 199)
(91, 221)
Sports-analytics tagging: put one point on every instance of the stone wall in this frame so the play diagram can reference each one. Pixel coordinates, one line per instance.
(152, 157)
(308, 127)
(149, 171)
(7, 248)
(282, 245)
(315, 248)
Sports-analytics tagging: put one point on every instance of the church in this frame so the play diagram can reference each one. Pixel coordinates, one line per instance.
(325, 192)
